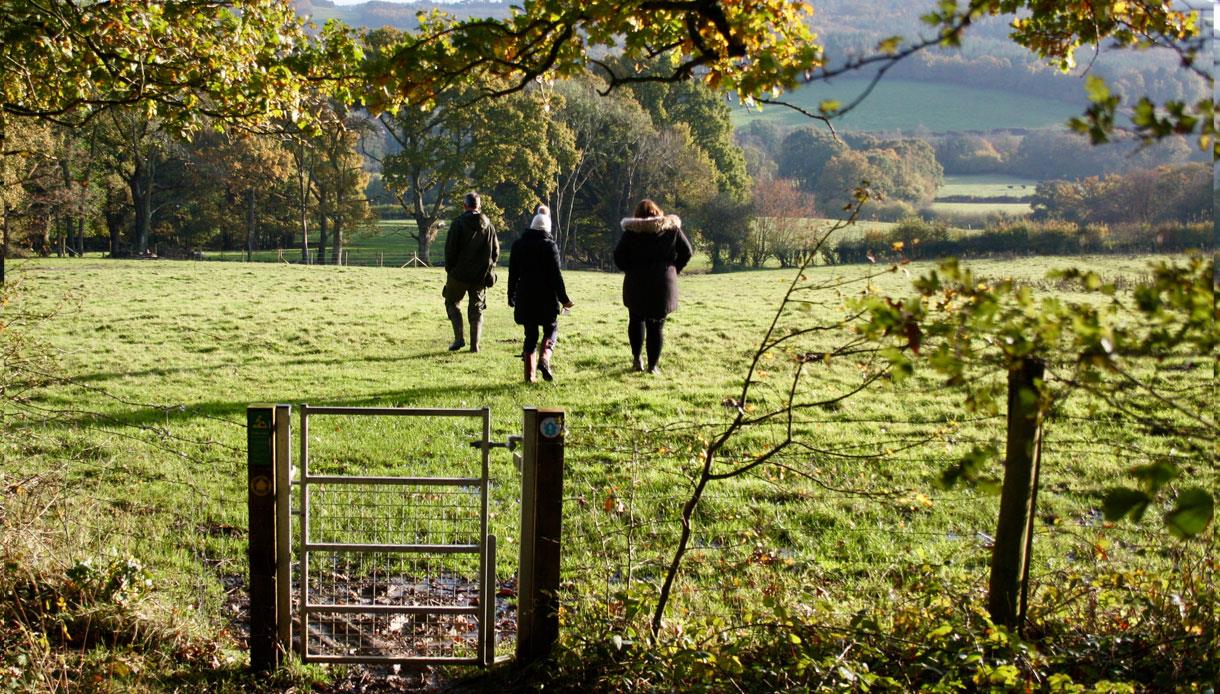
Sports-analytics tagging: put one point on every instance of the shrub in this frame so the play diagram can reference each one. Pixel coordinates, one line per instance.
(917, 238)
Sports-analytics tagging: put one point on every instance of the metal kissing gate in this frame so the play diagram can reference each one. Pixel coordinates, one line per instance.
(395, 569)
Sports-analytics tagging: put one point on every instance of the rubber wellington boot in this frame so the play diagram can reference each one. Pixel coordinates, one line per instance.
(531, 361)
(544, 361)
(476, 333)
(458, 342)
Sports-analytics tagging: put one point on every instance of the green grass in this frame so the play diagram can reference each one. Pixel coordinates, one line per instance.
(904, 105)
(162, 358)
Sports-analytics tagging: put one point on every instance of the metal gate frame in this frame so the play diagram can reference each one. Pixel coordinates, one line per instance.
(484, 611)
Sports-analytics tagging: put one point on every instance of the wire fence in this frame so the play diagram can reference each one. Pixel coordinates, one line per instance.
(807, 529)
(355, 257)
(848, 518)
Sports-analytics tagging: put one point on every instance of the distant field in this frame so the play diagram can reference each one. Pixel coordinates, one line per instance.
(387, 242)
(982, 208)
(909, 105)
(986, 186)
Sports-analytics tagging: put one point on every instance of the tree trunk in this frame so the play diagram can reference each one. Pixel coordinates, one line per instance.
(425, 249)
(140, 184)
(323, 231)
(303, 193)
(1009, 580)
(336, 248)
(424, 224)
(44, 236)
(114, 226)
(3, 205)
(250, 216)
(4, 240)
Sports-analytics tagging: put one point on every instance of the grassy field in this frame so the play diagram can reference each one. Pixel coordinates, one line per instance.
(954, 205)
(898, 105)
(159, 360)
(385, 242)
(983, 209)
(986, 186)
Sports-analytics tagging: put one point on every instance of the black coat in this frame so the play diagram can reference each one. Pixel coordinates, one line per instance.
(535, 285)
(471, 248)
(651, 251)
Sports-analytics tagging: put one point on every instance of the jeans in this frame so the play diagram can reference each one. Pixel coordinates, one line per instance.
(549, 335)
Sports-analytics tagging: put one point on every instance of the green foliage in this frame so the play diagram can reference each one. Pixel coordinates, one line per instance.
(958, 323)
(937, 638)
(1152, 122)
(243, 60)
(707, 115)
(1192, 512)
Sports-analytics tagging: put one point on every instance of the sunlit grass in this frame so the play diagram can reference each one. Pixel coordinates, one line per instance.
(161, 359)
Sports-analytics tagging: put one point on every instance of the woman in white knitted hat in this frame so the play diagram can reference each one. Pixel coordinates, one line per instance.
(536, 292)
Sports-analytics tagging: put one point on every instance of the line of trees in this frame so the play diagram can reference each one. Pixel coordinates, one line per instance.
(590, 143)
(1054, 153)
(126, 184)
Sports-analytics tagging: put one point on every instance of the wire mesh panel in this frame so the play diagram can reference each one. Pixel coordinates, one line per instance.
(396, 569)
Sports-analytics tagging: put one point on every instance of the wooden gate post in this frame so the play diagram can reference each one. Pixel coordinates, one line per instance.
(260, 495)
(541, 523)
(283, 525)
(1018, 498)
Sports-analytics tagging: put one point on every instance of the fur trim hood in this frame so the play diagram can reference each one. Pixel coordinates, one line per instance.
(651, 225)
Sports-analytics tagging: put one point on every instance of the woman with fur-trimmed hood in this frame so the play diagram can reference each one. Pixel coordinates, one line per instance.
(651, 251)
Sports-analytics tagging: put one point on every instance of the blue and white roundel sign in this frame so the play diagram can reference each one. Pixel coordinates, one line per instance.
(551, 427)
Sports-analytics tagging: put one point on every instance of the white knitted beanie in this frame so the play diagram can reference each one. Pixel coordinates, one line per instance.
(542, 220)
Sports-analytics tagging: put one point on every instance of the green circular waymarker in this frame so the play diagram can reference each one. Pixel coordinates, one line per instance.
(261, 485)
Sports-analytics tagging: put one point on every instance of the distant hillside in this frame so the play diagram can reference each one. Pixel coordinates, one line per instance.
(904, 105)
(400, 15)
(987, 60)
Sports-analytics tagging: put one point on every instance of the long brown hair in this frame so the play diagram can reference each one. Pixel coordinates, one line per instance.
(648, 208)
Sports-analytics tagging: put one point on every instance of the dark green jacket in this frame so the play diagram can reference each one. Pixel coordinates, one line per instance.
(471, 249)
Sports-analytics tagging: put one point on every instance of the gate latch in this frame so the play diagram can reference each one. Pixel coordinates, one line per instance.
(511, 443)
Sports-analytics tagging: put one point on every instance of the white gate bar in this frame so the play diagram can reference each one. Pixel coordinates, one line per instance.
(391, 660)
(374, 548)
(394, 609)
(413, 481)
(395, 411)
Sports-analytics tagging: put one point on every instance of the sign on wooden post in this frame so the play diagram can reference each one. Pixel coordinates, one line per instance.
(1014, 531)
(260, 495)
(541, 523)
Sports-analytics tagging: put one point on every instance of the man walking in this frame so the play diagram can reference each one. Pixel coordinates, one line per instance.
(471, 251)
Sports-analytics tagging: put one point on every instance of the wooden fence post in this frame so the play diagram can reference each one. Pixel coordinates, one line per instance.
(283, 525)
(260, 495)
(541, 523)
(1014, 531)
